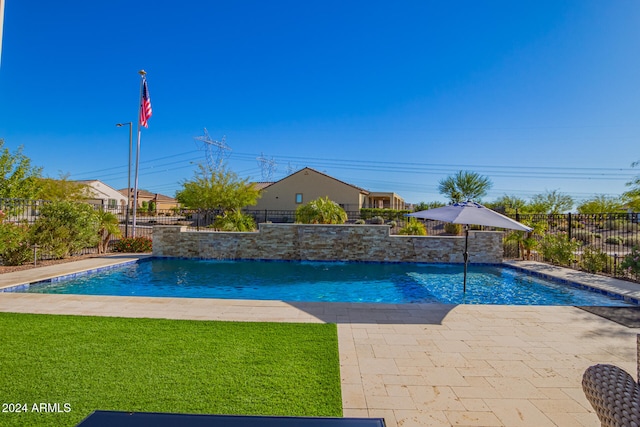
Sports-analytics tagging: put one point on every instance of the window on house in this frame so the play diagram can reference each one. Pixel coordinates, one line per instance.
(113, 203)
(298, 197)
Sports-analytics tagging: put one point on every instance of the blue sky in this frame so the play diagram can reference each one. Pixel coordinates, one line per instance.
(536, 95)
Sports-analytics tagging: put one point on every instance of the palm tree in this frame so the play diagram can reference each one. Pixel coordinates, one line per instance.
(108, 226)
(464, 185)
(321, 211)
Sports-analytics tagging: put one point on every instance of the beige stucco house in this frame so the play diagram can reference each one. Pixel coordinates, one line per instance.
(306, 185)
(161, 201)
(103, 195)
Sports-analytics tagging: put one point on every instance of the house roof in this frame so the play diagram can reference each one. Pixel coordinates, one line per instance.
(147, 194)
(362, 190)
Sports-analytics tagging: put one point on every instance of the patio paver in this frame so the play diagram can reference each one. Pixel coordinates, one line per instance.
(414, 365)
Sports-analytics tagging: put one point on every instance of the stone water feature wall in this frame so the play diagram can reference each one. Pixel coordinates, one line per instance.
(314, 242)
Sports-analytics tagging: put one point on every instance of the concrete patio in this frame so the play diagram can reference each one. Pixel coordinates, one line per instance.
(414, 365)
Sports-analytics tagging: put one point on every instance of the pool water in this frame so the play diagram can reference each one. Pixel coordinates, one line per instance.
(392, 283)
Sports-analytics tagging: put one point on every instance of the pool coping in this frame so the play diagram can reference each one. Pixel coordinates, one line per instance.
(609, 286)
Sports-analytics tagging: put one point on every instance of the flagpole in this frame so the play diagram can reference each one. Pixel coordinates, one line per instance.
(135, 182)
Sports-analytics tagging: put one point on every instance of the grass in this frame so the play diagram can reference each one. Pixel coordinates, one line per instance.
(165, 366)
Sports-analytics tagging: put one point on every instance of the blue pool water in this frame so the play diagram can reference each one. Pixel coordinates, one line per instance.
(325, 282)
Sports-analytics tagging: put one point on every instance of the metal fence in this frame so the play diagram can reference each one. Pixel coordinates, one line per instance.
(600, 243)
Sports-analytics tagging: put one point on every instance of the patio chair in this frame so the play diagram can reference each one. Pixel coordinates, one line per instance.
(613, 393)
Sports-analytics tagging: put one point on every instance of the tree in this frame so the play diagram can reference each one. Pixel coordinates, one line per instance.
(321, 211)
(550, 202)
(217, 190)
(62, 189)
(18, 179)
(424, 206)
(464, 185)
(600, 204)
(508, 204)
(108, 226)
(632, 197)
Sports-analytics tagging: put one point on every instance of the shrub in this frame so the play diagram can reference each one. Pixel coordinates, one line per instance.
(614, 240)
(14, 244)
(583, 236)
(321, 211)
(235, 221)
(64, 228)
(632, 241)
(392, 224)
(594, 260)
(631, 262)
(360, 221)
(378, 220)
(451, 228)
(558, 249)
(413, 228)
(133, 245)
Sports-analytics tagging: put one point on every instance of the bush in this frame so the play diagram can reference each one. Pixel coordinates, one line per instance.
(133, 245)
(321, 211)
(378, 220)
(15, 248)
(413, 228)
(65, 228)
(631, 262)
(392, 224)
(632, 241)
(451, 228)
(360, 221)
(594, 260)
(583, 236)
(558, 249)
(614, 240)
(235, 221)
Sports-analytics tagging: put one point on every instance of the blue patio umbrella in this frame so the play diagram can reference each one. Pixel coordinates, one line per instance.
(468, 213)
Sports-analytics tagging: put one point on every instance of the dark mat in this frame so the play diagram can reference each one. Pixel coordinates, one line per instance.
(626, 316)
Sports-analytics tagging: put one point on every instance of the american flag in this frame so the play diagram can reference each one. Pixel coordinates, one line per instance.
(145, 104)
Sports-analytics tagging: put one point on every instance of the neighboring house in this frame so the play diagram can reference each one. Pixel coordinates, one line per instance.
(306, 185)
(384, 200)
(100, 194)
(161, 201)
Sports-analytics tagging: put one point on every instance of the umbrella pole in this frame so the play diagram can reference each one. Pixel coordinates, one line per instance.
(466, 257)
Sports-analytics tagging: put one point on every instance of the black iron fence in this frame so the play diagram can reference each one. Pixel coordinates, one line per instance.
(607, 243)
(604, 243)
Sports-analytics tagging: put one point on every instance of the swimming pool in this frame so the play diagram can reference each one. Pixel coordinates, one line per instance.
(395, 283)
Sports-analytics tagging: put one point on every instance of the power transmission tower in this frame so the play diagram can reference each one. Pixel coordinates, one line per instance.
(215, 151)
(267, 167)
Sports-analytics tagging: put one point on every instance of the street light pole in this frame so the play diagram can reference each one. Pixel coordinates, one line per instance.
(126, 225)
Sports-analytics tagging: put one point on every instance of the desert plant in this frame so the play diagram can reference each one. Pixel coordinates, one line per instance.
(15, 248)
(558, 249)
(392, 224)
(378, 220)
(583, 236)
(360, 221)
(64, 228)
(631, 262)
(451, 228)
(234, 221)
(108, 226)
(133, 245)
(321, 211)
(614, 240)
(413, 228)
(593, 260)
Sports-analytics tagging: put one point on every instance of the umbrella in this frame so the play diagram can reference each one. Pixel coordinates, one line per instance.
(470, 213)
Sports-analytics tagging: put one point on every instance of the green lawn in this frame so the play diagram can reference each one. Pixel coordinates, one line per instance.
(164, 366)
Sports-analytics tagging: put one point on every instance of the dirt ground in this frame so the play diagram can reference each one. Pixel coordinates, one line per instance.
(9, 269)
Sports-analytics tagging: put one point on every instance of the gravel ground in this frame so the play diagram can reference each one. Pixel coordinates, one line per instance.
(9, 269)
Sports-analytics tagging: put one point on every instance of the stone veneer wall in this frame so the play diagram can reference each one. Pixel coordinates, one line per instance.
(325, 243)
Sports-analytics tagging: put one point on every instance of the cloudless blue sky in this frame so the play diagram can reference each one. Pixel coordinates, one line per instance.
(389, 96)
